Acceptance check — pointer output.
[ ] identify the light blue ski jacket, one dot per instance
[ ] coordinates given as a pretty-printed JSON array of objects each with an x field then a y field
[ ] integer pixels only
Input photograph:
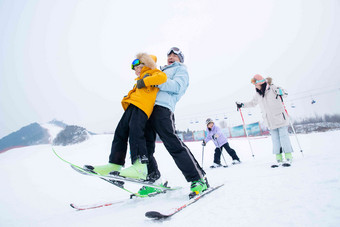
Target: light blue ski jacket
[{"x": 172, "y": 90}]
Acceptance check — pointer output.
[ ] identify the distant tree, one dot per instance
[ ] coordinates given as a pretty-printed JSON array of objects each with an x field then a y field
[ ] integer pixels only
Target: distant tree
[{"x": 332, "y": 118}]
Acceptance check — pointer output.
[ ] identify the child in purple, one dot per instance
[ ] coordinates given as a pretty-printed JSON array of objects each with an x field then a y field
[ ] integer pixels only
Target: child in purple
[{"x": 220, "y": 141}]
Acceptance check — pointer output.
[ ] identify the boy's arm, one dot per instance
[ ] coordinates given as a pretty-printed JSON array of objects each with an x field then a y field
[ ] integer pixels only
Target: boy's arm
[{"x": 156, "y": 78}]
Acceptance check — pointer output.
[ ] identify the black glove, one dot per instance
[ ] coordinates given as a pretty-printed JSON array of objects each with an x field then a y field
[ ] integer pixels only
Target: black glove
[
  {"x": 239, "y": 105},
  {"x": 213, "y": 136},
  {"x": 204, "y": 143},
  {"x": 140, "y": 84}
]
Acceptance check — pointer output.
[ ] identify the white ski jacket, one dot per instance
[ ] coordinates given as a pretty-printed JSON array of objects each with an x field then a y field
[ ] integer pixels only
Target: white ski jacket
[{"x": 273, "y": 111}]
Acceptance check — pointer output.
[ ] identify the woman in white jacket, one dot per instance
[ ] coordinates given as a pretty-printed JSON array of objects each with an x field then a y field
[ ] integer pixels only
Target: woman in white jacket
[{"x": 268, "y": 97}]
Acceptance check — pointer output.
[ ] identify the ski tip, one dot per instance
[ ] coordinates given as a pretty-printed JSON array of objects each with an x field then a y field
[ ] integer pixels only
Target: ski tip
[
  {"x": 75, "y": 207},
  {"x": 155, "y": 215}
]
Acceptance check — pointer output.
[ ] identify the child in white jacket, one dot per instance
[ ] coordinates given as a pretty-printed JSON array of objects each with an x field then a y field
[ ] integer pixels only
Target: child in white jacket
[{"x": 269, "y": 98}]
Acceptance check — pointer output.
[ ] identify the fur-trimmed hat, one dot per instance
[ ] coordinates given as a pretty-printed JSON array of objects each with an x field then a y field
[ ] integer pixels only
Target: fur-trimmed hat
[
  {"x": 258, "y": 80},
  {"x": 147, "y": 60}
]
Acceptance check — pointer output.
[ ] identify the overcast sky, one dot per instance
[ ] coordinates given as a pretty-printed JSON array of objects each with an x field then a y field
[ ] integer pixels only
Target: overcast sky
[{"x": 70, "y": 59}]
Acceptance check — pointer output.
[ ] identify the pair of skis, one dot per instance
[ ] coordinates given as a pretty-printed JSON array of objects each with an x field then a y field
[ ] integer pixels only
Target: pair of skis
[
  {"x": 285, "y": 164},
  {"x": 119, "y": 182},
  {"x": 155, "y": 215}
]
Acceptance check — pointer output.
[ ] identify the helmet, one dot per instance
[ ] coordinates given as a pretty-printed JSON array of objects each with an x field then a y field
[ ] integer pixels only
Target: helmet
[{"x": 209, "y": 120}]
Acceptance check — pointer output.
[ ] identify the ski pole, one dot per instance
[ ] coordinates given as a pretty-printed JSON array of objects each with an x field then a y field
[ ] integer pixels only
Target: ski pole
[
  {"x": 245, "y": 130},
  {"x": 226, "y": 165},
  {"x": 223, "y": 158},
  {"x": 202, "y": 155},
  {"x": 291, "y": 125}
]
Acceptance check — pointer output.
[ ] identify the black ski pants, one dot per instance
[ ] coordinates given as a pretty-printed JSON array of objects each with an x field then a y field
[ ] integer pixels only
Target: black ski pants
[
  {"x": 162, "y": 122},
  {"x": 131, "y": 127},
  {"x": 218, "y": 151}
]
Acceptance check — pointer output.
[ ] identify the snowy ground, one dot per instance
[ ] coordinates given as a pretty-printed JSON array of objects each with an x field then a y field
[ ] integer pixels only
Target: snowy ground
[{"x": 37, "y": 188}]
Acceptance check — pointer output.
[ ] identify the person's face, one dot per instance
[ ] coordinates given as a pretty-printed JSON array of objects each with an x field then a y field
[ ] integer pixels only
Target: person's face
[
  {"x": 210, "y": 125},
  {"x": 258, "y": 86},
  {"x": 172, "y": 58},
  {"x": 138, "y": 69}
]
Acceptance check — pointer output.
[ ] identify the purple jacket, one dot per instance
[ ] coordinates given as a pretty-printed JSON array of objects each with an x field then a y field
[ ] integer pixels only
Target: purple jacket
[{"x": 219, "y": 140}]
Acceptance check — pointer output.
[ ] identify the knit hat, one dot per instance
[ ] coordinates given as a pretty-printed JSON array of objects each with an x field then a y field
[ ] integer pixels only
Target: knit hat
[
  {"x": 258, "y": 80},
  {"x": 154, "y": 58},
  {"x": 208, "y": 121},
  {"x": 178, "y": 52}
]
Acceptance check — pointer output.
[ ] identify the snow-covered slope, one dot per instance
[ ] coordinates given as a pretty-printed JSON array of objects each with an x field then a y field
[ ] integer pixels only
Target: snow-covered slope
[
  {"x": 37, "y": 188},
  {"x": 52, "y": 129}
]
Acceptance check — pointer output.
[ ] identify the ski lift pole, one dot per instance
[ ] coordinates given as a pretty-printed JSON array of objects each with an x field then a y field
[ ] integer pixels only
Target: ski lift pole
[
  {"x": 291, "y": 125},
  {"x": 245, "y": 130}
]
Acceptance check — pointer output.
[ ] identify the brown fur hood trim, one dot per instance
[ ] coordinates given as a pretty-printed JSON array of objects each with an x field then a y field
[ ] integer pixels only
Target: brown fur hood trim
[
  {"x": 269, "y": 80},
  {"x": 147, "y": 60}
]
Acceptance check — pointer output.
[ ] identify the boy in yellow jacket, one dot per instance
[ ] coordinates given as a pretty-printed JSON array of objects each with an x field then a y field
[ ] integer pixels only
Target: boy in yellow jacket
[{"x": 138, "y": 105}]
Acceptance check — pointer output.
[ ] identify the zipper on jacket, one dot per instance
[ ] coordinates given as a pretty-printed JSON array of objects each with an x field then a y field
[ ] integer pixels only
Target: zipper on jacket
[{"x": 283, "y": 116}]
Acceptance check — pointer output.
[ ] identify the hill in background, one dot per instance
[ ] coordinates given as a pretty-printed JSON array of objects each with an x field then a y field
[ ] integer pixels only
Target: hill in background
[{"x": 55, "y": 132}]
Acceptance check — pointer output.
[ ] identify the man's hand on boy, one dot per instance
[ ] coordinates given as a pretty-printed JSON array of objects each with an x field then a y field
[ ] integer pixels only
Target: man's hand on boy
[{"x": 140, "y": 84}]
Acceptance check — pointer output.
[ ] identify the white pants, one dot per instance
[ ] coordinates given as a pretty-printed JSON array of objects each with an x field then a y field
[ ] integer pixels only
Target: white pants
[{"x": 280, "y": 138}]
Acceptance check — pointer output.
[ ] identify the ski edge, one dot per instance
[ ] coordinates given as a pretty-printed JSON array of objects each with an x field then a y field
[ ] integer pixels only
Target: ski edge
[
  {"x": 94, "y": 206},
  {"x": 155, "y": 215}
]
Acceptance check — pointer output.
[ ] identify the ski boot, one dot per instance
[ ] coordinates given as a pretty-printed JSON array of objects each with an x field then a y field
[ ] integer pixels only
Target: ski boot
[
  {"x": 236, "y": 161},
  {"x": 215, "y": 165},
  {"x": 137, "y": 171},
  {"x": 197, "y": 187},
  {"x": 279, "y": 161},
  {"x": 289, "y": 159},
  {"x": 154, "y": 176},
  {"x": 103, "y": 169}
]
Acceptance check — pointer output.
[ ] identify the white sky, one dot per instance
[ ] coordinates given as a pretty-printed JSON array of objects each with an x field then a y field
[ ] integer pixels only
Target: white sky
[{"x": 70, "y": 59}]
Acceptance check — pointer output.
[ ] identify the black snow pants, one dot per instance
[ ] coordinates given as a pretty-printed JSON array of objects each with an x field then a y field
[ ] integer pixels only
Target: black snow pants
[
  {"x": 218, "y": 151},
  {"x": 130, "y": 128},
  {"x": 162, "y": 122}
]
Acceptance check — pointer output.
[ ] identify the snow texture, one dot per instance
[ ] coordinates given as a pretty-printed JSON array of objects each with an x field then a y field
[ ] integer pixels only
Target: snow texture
[
  {"x": 37, "y": 188},
  {"x": 52, "y": 129}
]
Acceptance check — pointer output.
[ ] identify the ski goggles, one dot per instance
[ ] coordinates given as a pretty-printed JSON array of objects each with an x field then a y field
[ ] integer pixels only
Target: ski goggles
[
  {"x": 135, "y": 63},
  {"x": 254, "y": 81},
  {"x": 175, "y": 50}
]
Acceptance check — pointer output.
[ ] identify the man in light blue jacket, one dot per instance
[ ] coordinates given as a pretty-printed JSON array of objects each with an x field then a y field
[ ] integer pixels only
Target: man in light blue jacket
[{"x": 162, "y": 122}]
